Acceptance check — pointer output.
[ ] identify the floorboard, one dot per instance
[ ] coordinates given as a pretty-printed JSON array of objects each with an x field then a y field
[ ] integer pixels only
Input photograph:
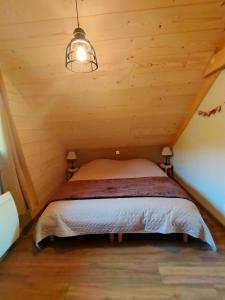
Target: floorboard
[{"x": 144, "y": 266}]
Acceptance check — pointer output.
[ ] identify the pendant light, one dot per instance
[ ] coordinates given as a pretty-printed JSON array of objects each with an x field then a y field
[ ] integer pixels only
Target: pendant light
[{"x": 80, "y": 54}]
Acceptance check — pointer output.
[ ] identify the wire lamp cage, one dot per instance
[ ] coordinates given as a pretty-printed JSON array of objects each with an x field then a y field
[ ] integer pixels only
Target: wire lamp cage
[{"x": 80, "y": 54}]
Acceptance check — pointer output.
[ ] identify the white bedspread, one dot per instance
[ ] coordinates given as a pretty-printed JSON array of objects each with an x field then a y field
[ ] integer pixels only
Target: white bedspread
[
  {"x": 156, "y": 215},
  {"x": 98, "y": 216}
]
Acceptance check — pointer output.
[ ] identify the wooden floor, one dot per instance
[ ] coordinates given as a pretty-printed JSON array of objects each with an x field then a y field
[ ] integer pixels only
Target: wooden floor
[{"x": 142, "y": 267}]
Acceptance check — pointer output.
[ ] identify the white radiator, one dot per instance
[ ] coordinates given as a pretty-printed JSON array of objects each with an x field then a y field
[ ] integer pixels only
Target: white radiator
[{"x": 9, "y": 222}]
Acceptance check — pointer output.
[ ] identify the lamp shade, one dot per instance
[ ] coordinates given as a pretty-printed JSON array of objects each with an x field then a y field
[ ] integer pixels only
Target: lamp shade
[
  {"x": 80, "y": 54},
  {"x": 71, "y": 155},
  {"x": 166, "y": 151}
]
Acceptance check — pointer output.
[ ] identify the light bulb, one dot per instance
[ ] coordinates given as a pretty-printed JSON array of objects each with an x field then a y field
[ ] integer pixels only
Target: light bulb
[{"x": 81, "y": 54}]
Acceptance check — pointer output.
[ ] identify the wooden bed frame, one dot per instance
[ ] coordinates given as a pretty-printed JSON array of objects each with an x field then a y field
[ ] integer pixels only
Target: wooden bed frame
[{"x": 120, "y": 237}]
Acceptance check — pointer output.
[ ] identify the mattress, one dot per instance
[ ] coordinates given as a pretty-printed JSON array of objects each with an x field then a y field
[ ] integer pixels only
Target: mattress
[{"x": 125, "y": 215}]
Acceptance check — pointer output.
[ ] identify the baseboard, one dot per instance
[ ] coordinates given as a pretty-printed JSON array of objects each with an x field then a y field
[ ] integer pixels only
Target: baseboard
[{"x": 203, "y": 201}]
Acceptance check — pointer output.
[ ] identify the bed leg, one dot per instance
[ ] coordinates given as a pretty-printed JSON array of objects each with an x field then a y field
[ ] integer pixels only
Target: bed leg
[
  {"x": 120, "y": 237},
  {"x": 111, "y": 237},
  {"x": 185, "y": 237},
  {"x": 51, "y": 238}
]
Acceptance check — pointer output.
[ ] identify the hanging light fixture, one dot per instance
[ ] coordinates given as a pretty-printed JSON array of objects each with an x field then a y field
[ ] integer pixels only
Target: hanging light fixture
[{"x": 80, "y": 54}]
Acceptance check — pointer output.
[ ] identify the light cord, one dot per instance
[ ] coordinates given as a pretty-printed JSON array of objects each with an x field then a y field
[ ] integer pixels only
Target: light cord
[{"x": 78, "y": 23}]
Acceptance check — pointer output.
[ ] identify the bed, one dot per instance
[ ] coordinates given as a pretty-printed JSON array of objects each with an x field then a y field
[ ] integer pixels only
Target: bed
[{"x": 113, "y": 208}]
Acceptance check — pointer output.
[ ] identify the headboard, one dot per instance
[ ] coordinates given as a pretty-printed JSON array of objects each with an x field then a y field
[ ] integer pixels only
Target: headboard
[{"x": 150, "y": 152}]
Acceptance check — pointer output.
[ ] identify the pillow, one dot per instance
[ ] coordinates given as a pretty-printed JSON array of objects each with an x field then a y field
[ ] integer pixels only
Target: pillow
[{"x": 109, "y": 168}]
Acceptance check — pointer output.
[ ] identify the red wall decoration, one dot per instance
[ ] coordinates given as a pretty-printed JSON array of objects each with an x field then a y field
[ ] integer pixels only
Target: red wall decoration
[{"x": 210, "y": 112}]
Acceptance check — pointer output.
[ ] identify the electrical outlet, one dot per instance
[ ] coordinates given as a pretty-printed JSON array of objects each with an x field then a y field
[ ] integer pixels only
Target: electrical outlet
[{"x": 117, "y": 152}]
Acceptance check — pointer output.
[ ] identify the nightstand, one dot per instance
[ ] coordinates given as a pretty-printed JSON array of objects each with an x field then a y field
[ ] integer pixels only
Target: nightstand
[
  {"x": 70, "y": 172},
  {"x": 168, "y": 169}
]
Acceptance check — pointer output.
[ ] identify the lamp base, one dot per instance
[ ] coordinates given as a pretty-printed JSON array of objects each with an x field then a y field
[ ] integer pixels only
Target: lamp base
[{"x": 167, "y": 160}]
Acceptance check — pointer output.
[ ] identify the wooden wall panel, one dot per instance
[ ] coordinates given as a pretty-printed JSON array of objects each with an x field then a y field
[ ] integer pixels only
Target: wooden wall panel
[
  {"x": 44, "y": 155},
  {"x": 152, "y": 56},
  {"x": 17, "y": 12}
]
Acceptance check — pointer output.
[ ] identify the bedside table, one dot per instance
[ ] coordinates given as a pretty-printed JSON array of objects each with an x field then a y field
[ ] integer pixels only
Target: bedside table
[
  {"x": 70, "y": 172},
  {"x": 168, "y": 169}
]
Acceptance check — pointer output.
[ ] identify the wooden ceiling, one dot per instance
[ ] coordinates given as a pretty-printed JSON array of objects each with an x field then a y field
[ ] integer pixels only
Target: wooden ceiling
[{"x": 152, "y": 55}]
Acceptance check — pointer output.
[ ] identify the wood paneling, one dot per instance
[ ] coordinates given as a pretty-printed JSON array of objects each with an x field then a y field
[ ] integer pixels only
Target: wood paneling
[
  {"x": 152, "y": 56},
  {"x": 143, "y": 267},
  {"x": 14, "y": 12},
  {"x": 44, "y": 156},
  {"x": 217, "y": 62}
]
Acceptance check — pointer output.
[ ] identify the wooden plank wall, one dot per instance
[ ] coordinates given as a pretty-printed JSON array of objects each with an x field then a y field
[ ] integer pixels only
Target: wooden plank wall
[
  {"x": 44, "y": 156},
  {"x": 152, "y": 56}
]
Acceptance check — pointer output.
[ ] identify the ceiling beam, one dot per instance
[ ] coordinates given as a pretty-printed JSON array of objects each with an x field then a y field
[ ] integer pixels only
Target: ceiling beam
[
  {"x": 216, "y": 63},
  {"x": 202, "y": 92}
]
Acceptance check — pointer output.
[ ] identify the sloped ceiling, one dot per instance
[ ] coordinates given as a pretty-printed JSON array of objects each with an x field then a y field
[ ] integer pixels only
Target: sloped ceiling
[{"x": 151, "y": 54}]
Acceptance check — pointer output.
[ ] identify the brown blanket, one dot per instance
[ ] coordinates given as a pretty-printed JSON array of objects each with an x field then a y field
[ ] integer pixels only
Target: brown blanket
[{"x": 121, "y": 188}]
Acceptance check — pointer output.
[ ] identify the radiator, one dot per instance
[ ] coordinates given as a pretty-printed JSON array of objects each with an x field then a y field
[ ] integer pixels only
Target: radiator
[{"x": 9, "y": 223}]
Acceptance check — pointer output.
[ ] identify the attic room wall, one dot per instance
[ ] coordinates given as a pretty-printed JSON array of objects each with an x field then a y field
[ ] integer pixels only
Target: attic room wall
[
  {"x": 45, "y": 157},
  {"x": 151, "y": 56},
  {"x": 199, "y": 154}
]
